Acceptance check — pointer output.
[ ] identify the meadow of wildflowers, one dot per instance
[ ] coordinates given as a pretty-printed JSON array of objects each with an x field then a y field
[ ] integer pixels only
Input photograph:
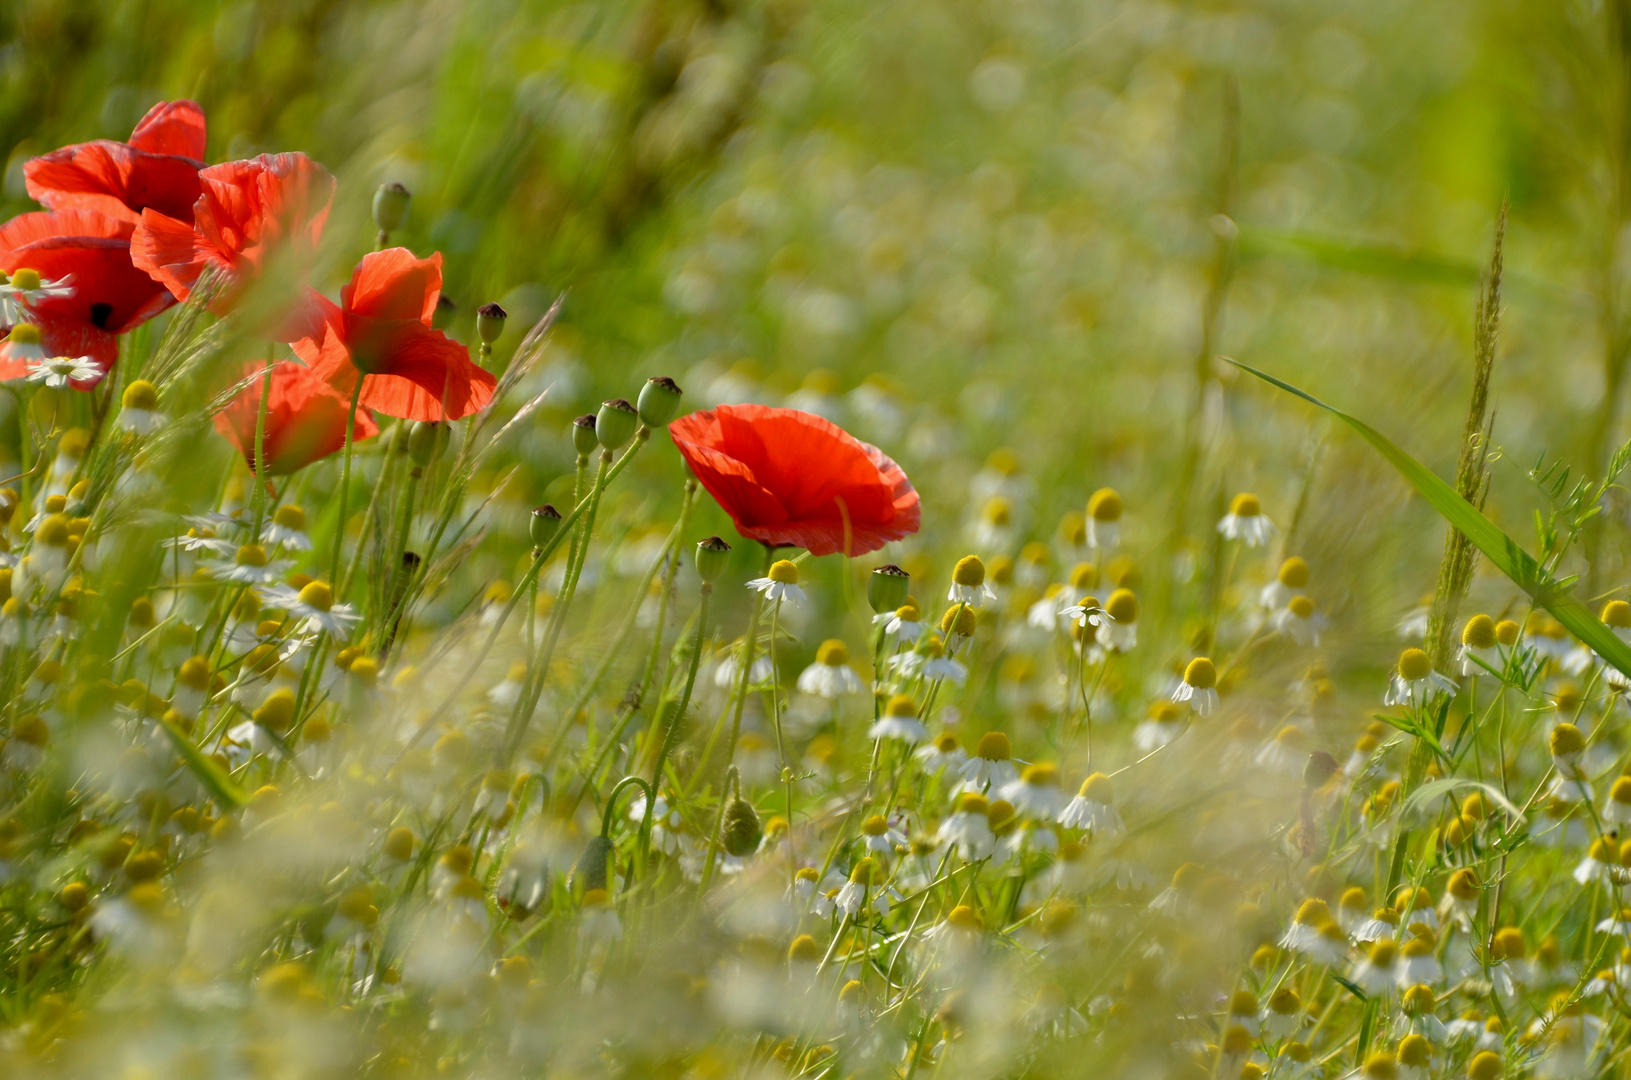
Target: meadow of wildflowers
[{"x": 744, "y": 540}]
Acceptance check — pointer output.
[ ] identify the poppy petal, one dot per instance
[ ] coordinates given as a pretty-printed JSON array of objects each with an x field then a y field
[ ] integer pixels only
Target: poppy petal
[
  {"x": 305, "y": 419},
  {"x": 395, "y": 284},
  {"x": 172, "y": 127}
]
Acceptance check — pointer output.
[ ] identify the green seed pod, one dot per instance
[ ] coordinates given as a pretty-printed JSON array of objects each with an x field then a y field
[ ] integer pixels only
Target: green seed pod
[
  {"x": 713, "y": 556},
  {"x": 391, "y": 207},
  {"x": 583, "y": 435},
  {"x": 886, "y": 588},
  {"x": 615, "y": 423},
  {"x": 490, "y": 322},
  {"x": 741, "y": 828},
  {"x": 659, "y": 401},
  {"x": 427, "y": 441},
  {"x": 545, "y": 523},
  {"x": 589, "y": 872}
]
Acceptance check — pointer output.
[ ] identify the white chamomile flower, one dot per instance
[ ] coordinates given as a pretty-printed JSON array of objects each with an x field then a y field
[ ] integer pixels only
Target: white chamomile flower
[
  {"x": 314, "y": 603},
  {"x": 968, "y": 585},
  {"x": 729, "y": 670},
  {"x": 1416, "y": 683},
  {"x": 287, "y": 528},
  {"x": 1290, "y": 581},
  {"x": 250, "y": 566},
  {"x": 1085, "y": 612},
  {"x": 57, "y": 372},
  {"x": 863, "y": 889},
  {"x": 830, "y": 676},
  {"x": 1199, "y": 686},
  {"x": 1299, "y": 621},
  {"x": 969, "y": 829},
  {"x": 1104, "y": 510},
  {"x": 992, "y": 764},
  {"x": 945, "y": 752},
  {"x": 905, "y": 622},
  {"x": 1036, "y": 794},
  {"x": 882, "y": 838},
  {"x": 782, "y": 583},
  {"x": 1480, "y": 650},
  {"x": 1246, "y": 522},
  {"x": 1093, "y": 809},
  {"x": 25, "y": 289},
  {"x": 139, "y": 408},
  {"x": 1120, "y": 632},
  {"x": 900, "y": 721},
  {"x": 23, "y": 347}
]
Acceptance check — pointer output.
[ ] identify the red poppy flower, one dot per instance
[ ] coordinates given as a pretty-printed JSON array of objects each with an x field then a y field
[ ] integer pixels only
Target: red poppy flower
[
  {"x": 248, "y": 214},
  {"x": 381, "y": 332},
  {"x": 157, "y": 168},
  {"x": 305, "y": 419},
  {"x": 110, "y": 295},
  {"x": 789, "y": 478}
]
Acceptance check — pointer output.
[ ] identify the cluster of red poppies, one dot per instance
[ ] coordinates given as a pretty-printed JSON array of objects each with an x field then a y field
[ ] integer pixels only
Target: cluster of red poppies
[{"x": 133, "y": 227}]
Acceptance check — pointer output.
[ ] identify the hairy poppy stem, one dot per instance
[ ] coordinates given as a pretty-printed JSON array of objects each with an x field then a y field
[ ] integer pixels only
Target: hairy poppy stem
[
  {"x": 260, "y": 449},
  {"x": 345, "y": 478}
]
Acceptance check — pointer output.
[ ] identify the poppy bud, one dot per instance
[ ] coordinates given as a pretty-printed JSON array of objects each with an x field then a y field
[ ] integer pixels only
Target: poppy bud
[
  {"x": 615, "y": 423},
  {"x": 583, "y": 435},
  {"x": 659, "y": 401},
  {"x": 713, "y": 555},
  {"x": 589, "y": 872},
  {"x": 490, "y": 322},
  {"x": 391, "y": 207},
  {"x": 546, "y": 521},
  {"x": 445, "y": 309},
  {"x": 742, "y": 830},
  {"x": 426, "y": 441},
  {"x": 886, "y": 588}
]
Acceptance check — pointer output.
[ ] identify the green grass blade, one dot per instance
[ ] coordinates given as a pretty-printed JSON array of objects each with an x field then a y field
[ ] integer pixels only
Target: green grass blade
[
  {"x": 207, "y": 771},
  {"x": 1499, "y": 548}
]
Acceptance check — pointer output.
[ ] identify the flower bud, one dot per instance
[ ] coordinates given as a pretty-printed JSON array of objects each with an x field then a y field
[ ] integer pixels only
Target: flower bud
[
  {"x": 426, "y": 441},
  {"x": 713, "y": 555},
  {"x": 615, "y": 423},
  {"x": 545, "y": 522},
  {"x": 741, "y": 829},
  {"x": 490, "y": 322},
  {"x": 583, "y": 435},
  {"x": 659, "y": 401},
  {"x": 391, "y": 207},
  {"x": 886, "y": 588},
  {"x": 589, "y": 872}
]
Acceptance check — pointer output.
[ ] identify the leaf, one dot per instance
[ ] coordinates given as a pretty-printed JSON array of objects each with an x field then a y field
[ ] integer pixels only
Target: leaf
[
  {"x": 1436, "y": 788},
  {"x": 1499, "y": 548},
  {"x": 1417, "y": 730},
  {"x": 207, "y": 771},
  {"x": 1351, "y": 987}
]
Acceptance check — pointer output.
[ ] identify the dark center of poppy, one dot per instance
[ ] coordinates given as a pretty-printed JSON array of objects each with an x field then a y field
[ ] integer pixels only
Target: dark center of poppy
[{"x": 99, "y": 315}]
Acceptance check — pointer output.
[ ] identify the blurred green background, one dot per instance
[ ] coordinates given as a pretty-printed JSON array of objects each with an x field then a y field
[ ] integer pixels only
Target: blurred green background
[{"x": 1004, "y": 214}]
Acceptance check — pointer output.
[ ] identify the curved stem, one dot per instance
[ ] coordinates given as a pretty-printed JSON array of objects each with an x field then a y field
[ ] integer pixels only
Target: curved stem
[{"x": 611, "y": 802}]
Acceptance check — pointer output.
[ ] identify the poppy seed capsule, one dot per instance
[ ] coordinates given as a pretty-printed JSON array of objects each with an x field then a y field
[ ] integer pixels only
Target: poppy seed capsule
[
  {"x": 742, "y": 831},
  {"x": 427, "y": 441},
  {"x": 886, "y": 588},
  {"x": 658, "y": 402},
  {"x": 589, "y": 872},
  {"x": 713, "y": 556},
  {"x": 391, "y": 206},
  {"x": 583, "y": 435},
  {"x": 490, "y": 322},
  {"x": 615, "y": 423},
  {"x": 542, "y": 525}
]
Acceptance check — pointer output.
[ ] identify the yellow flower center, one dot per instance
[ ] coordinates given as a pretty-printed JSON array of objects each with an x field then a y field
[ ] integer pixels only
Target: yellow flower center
[
  {"x": 25, "y": 278},
  {"x": 1413, "y": 665},
  {"x": 1105, "y": 505},
  {"x": 970, "y": 571},
  {"x": 784, "y": 572},
  {"x": 1122, "y": 606},
  {"x": 1245, "y": 505},
  {"x": 1042, "y": 774},
  {"x": 994, "y": 746},
  {"x": 318, "y": 594},
  {"x": 832, "y": 653},
  {"x": 901, "y": 705},
  {"x": 875, "y": 825},
  {"x": 290, "y": 516},
  {"x": 1294, "y": 573},
  {"x": 1566, "y": 740},
  {"x": 1098, "y": 788},
  {"x": 251, "y": 555},
  {"x": 1201, "y": 674},
  {"x": 142, "y": 395},
  {"x": 1479, "y": 633},
  {"x": 1302, "y": 607}
]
